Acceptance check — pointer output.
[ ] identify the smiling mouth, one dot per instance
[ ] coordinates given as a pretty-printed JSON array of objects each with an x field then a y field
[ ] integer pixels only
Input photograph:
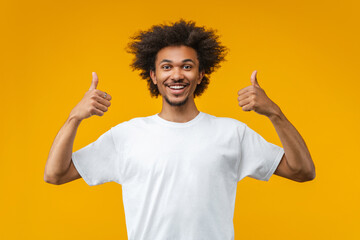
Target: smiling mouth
[
  {"x": 177, "y": 88},
  {"x": 177, "y": 85}
]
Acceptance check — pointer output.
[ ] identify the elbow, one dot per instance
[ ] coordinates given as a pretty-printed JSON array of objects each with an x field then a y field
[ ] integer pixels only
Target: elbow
[
  {"x": 51, "y": 180},
  {"x": 311, "y": 174},
  {"x": 52, "y": 177},
  {"x": 308, "y": 176}
]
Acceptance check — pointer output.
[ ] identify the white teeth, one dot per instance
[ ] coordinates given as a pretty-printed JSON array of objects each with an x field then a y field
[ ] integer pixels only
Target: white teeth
[{"x": 177, "y": 87}]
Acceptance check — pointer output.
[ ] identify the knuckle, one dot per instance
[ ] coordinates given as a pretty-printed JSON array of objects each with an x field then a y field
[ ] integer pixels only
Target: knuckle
[{"x": 93, "y": 92}]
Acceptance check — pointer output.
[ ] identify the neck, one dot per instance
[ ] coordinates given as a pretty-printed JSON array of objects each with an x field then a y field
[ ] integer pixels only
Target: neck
[{"x": 179, "y": 114}]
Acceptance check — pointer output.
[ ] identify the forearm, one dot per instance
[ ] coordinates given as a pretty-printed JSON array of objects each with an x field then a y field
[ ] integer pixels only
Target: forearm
[
  {"x": 297, "y": 154},
  {"x": 60, "y": 153}
]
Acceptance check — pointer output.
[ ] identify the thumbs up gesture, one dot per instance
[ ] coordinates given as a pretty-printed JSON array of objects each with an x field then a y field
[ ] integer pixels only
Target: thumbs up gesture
[
  {"x": 94, "y": 102},
  {"x": 254, "y": 98}
]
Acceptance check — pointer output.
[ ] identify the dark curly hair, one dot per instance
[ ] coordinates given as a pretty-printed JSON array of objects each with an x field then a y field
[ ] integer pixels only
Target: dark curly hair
[{"x": 146, "y": 44}]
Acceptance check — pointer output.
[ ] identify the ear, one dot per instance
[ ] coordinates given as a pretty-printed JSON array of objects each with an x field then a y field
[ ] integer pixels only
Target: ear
[
  {"x": 201, "y": 75},
  {"x": 153, "y": 76}
]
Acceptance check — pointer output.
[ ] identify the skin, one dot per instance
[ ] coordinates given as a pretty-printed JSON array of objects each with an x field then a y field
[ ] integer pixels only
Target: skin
[
  {"x": 170, "y": 67},
  {"x": 296, "y": 163},
  {"x": 59, "y": 168},
  {"x": 177, "y": 64},
  {"x": 180, "y": 64}
]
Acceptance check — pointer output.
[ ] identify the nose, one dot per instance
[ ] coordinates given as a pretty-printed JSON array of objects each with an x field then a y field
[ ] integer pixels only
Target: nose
[{"x": 177, "y": 74}]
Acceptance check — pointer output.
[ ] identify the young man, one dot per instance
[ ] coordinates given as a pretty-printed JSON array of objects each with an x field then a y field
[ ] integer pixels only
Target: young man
[{"x": 179, "y": 168}]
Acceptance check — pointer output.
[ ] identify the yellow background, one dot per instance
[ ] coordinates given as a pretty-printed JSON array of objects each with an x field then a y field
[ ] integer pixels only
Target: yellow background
[{"x": 307, "y": 57}]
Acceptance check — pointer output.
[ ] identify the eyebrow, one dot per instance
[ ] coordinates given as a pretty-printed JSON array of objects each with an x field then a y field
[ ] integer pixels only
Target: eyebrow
[{"x": 185, "y": 60}]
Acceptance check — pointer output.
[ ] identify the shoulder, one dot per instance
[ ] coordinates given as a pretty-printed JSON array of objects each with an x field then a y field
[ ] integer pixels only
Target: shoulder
[
  {"x": 225, "y": 121},
  {"x": 226, "y": 125},
  {"x": 128, "y": 130},
  {"x": 132, "y": 124}
]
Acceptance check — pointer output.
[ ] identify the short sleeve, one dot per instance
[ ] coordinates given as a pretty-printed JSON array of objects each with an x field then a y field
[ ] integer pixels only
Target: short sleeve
[
  {"x": 98, "y": 162},
  {"x": 259, "y": 158}
]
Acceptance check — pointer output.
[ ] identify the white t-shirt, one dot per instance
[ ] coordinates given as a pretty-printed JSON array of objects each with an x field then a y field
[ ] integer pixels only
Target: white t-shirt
[{"x": 179, "y": 180}]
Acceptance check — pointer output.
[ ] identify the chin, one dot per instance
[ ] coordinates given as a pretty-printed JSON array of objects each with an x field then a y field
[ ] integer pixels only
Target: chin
[{"x": 176, "y": 103}]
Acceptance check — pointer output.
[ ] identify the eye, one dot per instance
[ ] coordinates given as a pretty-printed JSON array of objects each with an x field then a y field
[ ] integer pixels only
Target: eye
[
  {"x": 166, "y": 67},
  {"x": 188, "y": 67}
]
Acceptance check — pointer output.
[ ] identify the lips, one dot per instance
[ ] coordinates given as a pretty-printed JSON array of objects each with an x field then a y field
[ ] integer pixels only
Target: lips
[
  {"x": 177, "y": 84},
  {"x": 177, "y": 91}
]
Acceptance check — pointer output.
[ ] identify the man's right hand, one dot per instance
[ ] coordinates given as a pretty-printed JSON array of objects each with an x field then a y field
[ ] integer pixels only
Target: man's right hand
[{"x": 93, "y": 102}]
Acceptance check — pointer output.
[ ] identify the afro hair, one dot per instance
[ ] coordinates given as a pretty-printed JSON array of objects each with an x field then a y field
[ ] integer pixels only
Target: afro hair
[{"x": 146, "y": 44}]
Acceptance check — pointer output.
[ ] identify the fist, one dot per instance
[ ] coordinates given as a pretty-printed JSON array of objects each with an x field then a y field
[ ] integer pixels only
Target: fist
[
  {"x": 254, "y": 98},
  {"x": 94, "y": 102}
]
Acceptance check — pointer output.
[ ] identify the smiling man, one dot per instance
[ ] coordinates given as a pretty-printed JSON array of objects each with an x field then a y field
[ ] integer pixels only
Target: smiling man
[
  {"x": 176, "y": 77},
  {"x": 179, "y": 168}
]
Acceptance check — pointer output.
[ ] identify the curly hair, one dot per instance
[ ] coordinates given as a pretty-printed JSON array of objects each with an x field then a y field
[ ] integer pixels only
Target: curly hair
[{"x": 146, "y": 44}]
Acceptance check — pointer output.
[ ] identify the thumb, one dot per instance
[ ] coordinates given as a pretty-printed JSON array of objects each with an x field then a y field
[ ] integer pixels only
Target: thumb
[
  {"x": 253, "y": 79},
  {"x": 94, "y": 82}
]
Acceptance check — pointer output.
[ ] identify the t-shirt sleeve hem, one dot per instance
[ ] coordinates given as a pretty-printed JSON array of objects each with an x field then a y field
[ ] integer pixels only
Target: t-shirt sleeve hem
[
  {"x": 80, "y": 170},
  {"x": 275, "y": 164}
]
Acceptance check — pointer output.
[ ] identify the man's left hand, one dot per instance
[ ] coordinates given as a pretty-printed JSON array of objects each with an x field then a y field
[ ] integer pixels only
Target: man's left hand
[{"x": 254, "y": 98}]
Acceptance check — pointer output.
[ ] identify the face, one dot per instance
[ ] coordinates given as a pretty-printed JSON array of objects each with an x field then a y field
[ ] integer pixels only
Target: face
[{"x": 177, "y": 74}]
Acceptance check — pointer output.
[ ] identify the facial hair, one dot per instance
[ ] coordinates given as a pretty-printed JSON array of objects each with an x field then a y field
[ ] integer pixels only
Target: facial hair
[{"x": 176, "y": 104}]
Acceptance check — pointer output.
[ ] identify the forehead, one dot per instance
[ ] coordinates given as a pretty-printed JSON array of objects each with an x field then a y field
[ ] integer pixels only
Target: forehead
[{"x": 176, "y": 54}]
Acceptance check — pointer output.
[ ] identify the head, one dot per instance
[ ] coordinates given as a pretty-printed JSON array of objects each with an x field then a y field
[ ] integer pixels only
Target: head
[
  {"x": 176, "y": 74},
  {"x": 179, "y": 37}
]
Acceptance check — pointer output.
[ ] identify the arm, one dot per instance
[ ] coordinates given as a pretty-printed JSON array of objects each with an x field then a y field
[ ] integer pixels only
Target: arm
[
  {"x": 296, "y": 163},
  {"x": 59, "y": 167},
  {"x": 59, "y": 160}
]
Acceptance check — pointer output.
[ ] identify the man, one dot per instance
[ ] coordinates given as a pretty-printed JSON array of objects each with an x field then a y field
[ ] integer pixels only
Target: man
[{"x": 179, "y": 168}]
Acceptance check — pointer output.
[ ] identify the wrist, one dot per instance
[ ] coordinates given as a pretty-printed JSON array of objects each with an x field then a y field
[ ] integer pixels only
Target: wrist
[
  {"x": 74, "y": 119},
  {"x": 276, "y": 114}
]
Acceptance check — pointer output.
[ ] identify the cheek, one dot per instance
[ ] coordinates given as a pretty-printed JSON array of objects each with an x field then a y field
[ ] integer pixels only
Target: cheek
[
  {"x": 162, "y": 77},
  {"x": 194, "y": 77}
]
